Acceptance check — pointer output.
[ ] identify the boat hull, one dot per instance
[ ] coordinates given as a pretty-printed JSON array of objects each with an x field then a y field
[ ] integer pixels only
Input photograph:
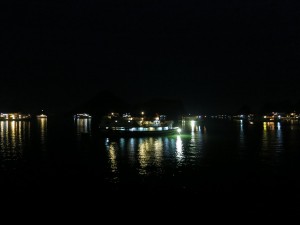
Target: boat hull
[{"x": 128, "y": 133}]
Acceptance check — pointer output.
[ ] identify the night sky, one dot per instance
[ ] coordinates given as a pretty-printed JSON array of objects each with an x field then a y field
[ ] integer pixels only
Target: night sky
[{"x": 214, "y": 55}]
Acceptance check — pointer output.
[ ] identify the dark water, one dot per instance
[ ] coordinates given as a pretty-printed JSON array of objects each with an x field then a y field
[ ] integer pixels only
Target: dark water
[{"x": 214, "y": 166}]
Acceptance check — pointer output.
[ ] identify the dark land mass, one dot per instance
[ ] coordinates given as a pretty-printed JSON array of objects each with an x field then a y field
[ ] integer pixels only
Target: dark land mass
[{"x": 106, "y": 102}]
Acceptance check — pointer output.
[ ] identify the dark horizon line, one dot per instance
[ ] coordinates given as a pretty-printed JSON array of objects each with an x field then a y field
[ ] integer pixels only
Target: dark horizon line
[{"x": 72, "y": 113}]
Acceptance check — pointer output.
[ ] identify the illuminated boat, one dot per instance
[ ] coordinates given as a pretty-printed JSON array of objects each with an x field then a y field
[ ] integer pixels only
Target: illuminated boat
[
  {"x": 115, "y": 125},
  {"x": 14, "y": 116},
  {"x": 82, "y": 116},
  {"x": 41, "y": 116},
  {"x": 139, "y": 131}
]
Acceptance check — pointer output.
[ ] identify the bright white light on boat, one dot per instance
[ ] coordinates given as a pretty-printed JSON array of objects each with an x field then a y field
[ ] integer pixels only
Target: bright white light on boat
[{"x": 179, "y": 130}]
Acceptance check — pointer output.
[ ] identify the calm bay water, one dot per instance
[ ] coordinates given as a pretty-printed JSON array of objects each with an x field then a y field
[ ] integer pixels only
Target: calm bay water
[{"x": 217, "y": 163}]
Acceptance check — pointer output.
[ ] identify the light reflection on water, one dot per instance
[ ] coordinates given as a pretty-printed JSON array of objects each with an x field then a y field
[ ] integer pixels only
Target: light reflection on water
[
  {"x": 151, "y": 155},
  {"x": 242, "y": 134},
  {"x": 83, "y": 125},
  {"x": 42, "y": 128},
  {"x": 179, "y": 149},
  {"x": 272, "y": 142},
  {"x": 200, "y": 146},
  {"x": 13, "y": 135},
  {"x": 193, "y": 142},
  {"x": 145, "y": 154},
  {"x": 18, "y": 138},
  {"x": 113, "y": 153}
]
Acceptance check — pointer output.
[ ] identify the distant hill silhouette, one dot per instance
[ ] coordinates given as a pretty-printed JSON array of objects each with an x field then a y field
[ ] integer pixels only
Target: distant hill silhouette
[
  {"x": 105, "y": 102},
  {"x": 173, "y": 108},
  {"x": 278, "y": 106},
  {"x": 244, "y": 109},
  {"x": 102, "y": 103}
]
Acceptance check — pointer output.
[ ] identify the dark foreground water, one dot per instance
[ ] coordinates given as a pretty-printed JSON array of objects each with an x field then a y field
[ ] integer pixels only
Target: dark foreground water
[{"x": 218, "y": 166}]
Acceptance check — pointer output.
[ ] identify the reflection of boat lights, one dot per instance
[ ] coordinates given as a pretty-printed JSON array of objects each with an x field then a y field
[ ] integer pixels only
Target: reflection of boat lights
[
  {"x": 193, "y": 122},
  {"x": 179, "y": 148}
]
